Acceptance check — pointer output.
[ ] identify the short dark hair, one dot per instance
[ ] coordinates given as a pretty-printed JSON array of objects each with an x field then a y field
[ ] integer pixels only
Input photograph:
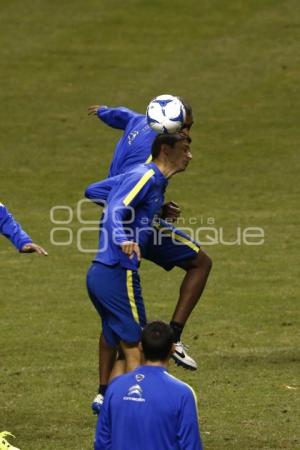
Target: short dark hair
[
  {"x": 167, "y": 139},
  {"x": 157, "y": 341},
  {"x": 187, "y": 107}
]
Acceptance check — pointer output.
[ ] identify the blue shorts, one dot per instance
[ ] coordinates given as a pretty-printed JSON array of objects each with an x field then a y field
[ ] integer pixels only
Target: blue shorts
[
  {"x": 116, "y": 295},
  {"x": 169, "y": 246}
]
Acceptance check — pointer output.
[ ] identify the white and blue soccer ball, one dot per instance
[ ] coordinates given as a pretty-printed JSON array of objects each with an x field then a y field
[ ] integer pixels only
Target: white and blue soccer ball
[{"x": 165, "y": 114}]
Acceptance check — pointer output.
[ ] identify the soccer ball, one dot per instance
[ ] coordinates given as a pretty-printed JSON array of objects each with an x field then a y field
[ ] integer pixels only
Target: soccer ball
[{"x": 165, "y": 114}]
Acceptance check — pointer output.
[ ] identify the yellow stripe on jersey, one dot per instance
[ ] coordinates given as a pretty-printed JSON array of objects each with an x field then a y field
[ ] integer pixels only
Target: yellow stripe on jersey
[
  {"x": 187, "y": 242},
  {"x": 134, "y": 191},
  {"x": 130, "y": 294},
  {"x": 179, "y": 238},
  {"x": 149, "y": 159}
]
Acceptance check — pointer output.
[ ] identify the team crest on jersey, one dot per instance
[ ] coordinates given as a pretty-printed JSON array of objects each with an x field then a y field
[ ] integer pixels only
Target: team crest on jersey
[
  {"x": 135, "y": 394},
  {"x": 139, "y": 377},
  {"x": 132, "y": 136}
]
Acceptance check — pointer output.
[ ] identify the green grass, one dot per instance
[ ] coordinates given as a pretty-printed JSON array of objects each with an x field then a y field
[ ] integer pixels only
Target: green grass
[{"x": 238, "y": 64}]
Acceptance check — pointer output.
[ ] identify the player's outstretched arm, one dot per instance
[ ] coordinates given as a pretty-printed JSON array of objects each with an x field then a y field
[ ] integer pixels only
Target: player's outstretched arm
[
  {"x": 13, "y": 231},
  {"x": 114, "y": 117}
]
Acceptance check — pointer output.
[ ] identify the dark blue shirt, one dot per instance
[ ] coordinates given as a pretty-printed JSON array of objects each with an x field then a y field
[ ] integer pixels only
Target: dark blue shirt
[
  {"x": 148, "y": 409},
  {"x": 134, "y": 147}
]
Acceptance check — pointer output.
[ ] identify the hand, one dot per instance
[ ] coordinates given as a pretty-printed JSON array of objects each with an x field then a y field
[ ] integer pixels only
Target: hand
[
  {"x": 92, "y": 110},
  {"x": 130, "y": 248},
  {"x": 170, "y": 211},
  {"x": 33, "y": 248}
]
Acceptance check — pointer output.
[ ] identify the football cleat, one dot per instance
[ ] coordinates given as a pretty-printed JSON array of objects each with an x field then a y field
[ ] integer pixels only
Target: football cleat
[
  {"x": 4, "y": 445},
  {"x": 97, "y": 404},
  {"x": 181, "y": 357}
]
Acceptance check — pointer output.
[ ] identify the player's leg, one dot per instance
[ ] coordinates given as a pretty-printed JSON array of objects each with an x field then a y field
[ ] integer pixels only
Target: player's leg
[
  {"x": 197, "y": 271},
  {"x": 119, "y": 367},
  {"x": 192, "y": 286},
  {"x": 171, "y": 247},
  {"x": 107, "y": 343},
  {"x": 107, "y": 359},
  {"x": 132, "y": 355},
  {"x": 120, "y": 303},
  {"x": 129, "y": 321},
  {"x": 111, "y": 365}
]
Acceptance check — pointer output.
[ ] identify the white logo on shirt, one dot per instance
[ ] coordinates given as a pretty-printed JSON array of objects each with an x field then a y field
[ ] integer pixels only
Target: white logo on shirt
[
  {"x": 132, "y": 136},
  {"x": 135, "y": 390},
  {"x": 135, "y": 393}
]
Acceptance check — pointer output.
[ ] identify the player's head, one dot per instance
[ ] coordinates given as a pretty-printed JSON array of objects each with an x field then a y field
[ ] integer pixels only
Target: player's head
[
  {"x": 172, "y": 150},
  {"x": 157, "y": 341},
  {"x": 189, "y": 120}
]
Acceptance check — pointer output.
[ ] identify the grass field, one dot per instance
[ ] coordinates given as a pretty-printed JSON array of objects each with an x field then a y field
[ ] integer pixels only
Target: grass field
[{"x": 237, "y": 62}]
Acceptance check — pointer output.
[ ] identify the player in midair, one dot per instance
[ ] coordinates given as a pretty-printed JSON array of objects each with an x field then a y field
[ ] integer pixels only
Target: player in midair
[{"x": 133, "y": 148}]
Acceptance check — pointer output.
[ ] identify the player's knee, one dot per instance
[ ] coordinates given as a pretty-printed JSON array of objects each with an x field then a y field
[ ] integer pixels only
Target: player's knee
[
  {"x": 203, "y": 261},
  {"x": 208, "y": 262}
]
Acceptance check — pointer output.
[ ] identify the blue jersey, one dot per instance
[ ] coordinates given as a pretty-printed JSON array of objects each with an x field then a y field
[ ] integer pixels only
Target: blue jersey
[
  {"x": 133, "y": 199},
  {"x": 11, "y": 229},
  {"x": 148, "y": 409},
  {"x": 134, "y": 147}
]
